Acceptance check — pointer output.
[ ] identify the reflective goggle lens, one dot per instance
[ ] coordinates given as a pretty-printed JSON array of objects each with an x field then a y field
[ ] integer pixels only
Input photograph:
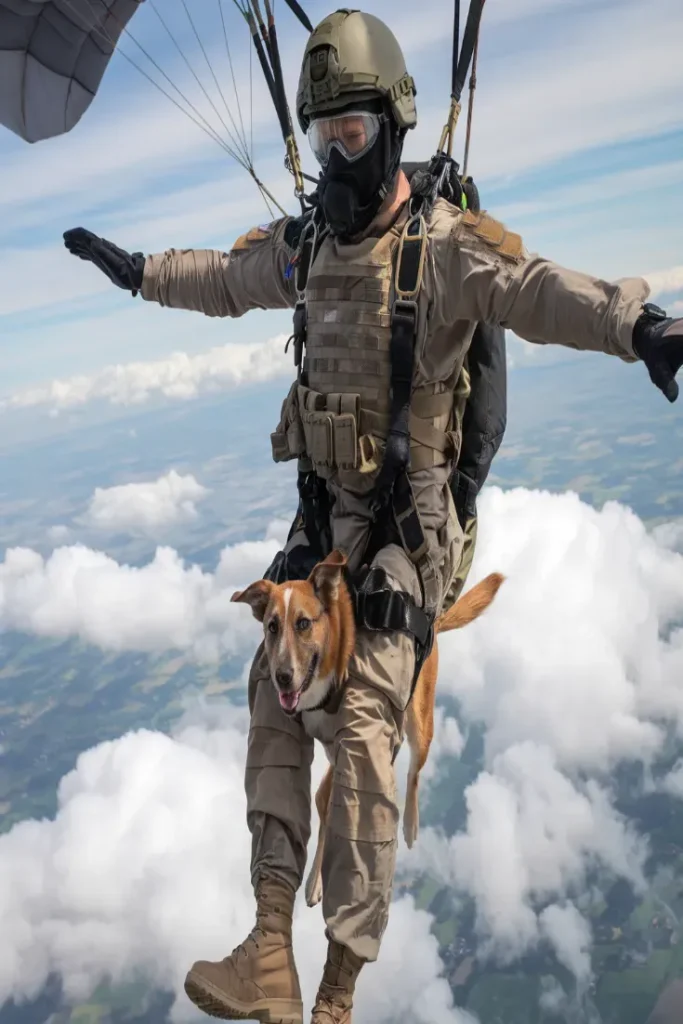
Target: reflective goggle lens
[{"x": 353, "y": 133}]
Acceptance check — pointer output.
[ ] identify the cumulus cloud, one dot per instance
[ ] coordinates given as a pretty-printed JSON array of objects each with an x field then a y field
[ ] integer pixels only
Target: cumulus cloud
[
  {"x": 164, "y": 604},
  {"x": 179, "y": 376},
  {"x": 570, "y": 934},
  {"x": 146, "y": 868},
  {"x": 58, "y": 532},
  {"x": 574, "y": 669},
  {"x": 148, "y": 505},
  {"x": 532, "y": 834},
  {"x": 670, "y": 535},
  {"x": 673, "y": 782}
]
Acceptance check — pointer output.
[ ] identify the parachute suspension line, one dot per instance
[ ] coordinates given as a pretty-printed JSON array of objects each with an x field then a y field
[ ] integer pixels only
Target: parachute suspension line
[
  {"x": 293, "y": 157},
  {"x": 213, "y": 73},
  {"x": 298, "y": 10},
  {"x": 260, "y": 52},
  {"x": 244, "y": 160},
  {"x": 250, "y": 150},
  {"x": 251, "y": 99},
  {"x": 461, "y": 64},
  {"x": 470, "y": 107},
  {"x": 200, "y": 121},
  {"x": 454, "y": 112},
  {"x": 267, "y": 49},
  {"x": 235, "y": 144}
]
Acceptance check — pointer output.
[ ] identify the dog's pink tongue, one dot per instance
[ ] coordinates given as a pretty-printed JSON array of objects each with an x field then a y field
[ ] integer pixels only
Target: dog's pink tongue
[{"x": 289, "y": 701}]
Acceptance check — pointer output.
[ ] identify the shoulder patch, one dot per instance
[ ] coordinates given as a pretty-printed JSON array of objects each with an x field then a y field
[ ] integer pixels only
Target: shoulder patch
[
  {"x": 250, "y": 239},
  {"x": 494, "y": 235}
]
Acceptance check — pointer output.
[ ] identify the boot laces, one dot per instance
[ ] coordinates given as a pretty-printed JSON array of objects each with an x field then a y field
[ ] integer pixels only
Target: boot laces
[
  {"x": 252, "y": 939},
  {"x": 326, "y": 1006},
  {"x": 263, "y": 910}
]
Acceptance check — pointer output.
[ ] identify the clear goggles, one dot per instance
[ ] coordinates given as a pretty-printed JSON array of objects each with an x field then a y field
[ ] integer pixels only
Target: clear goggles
[{"x": 353, "y": 133}]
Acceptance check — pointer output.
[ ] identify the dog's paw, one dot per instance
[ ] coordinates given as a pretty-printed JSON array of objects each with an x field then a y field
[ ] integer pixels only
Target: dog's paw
[{"x": 314, "y": 889}]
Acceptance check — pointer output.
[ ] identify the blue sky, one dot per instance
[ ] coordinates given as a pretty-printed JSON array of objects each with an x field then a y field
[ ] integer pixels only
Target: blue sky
[{"x": 572, "y": 146}]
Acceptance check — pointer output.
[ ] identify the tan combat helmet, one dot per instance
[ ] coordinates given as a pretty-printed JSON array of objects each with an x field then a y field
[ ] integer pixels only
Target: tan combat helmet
[{"x": 354, "y": 56}]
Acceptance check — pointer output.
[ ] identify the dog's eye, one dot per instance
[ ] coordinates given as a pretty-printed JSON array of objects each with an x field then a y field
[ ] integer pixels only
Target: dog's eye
[
  {"x": 272, "y": 626},
  {"x": 303, "y": 624}
]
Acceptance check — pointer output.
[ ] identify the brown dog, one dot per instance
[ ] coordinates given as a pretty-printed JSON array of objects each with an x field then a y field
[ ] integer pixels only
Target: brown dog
[{"x": 310, "y": 635}]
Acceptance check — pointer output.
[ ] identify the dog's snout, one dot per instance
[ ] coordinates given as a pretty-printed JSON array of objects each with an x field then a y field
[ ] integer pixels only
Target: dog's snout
[{"x": 283, "y": 678}]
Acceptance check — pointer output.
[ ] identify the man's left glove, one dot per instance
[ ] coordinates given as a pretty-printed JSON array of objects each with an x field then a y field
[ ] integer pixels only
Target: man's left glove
[
  {"x": 658, "y": 341},
  {"x": 122, "y": 268}
]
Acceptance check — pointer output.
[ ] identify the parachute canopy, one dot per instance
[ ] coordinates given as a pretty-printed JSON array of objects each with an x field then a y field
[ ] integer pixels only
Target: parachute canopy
[{"x": 53, "y": 54}]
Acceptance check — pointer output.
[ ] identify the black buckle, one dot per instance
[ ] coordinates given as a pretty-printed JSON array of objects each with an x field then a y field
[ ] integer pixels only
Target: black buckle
[
  {"x": 654, "y": 311},
  {"x": 405, "y": 309},
  {"x": 380, "y": 610}
]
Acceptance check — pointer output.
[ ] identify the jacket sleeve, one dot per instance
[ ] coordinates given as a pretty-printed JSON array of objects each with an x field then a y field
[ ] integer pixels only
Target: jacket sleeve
[
  {"x": 492, "y": 278},
  {"x": 252, "y": 275}
]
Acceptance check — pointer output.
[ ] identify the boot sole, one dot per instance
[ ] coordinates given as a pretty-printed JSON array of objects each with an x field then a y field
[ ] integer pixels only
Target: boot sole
[{"x": 215, "y": 1003}]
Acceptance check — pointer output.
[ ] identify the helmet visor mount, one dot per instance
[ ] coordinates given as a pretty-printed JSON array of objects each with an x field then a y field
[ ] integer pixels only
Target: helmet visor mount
[{"x": 352, "y": 132}]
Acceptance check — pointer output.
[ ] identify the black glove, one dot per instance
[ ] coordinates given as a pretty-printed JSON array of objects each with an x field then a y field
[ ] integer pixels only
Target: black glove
[
  {"x": 658, "y": 341},
  {"x": 123, "y": 268}
]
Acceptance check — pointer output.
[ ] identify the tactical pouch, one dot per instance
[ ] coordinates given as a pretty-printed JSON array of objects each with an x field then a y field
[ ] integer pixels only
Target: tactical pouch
[
  {"x": 330, "y": 428},
  {"x": 287, "y": 440}
]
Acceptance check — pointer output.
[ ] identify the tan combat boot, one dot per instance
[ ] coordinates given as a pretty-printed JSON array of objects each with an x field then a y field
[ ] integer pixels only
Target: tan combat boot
[
  {"x": 258, "y": 981},
  {"x": 335, "y": 995}
]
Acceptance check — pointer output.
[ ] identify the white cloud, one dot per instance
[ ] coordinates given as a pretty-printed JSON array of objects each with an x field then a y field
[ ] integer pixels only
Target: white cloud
[
  {"x": 574, "y": 669},
  {"x": 673, "y": 782},
  {"x": 163, "y": 604},
  {"x": 180, "y": 376},
  {"x": 570, "y": 934},
  {"x": 670, "y": 535},
  {"x": 663, "y": 282},
  {"x": 552, "y": 830},
  {"x": 58, "y": 532},
  {"x": 147, "y": 505},
  {"x": 146, "y": 868}
]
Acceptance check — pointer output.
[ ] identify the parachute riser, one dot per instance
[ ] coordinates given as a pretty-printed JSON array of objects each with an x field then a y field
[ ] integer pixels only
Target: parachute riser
[
  {"x": 446, "y": 140},
  {"x": 442, "y": 161},
  {"x": 268, "y": 51}
]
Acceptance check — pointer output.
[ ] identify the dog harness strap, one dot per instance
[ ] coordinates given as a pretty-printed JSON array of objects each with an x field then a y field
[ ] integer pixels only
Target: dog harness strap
[{"x": 378, "y": 607}]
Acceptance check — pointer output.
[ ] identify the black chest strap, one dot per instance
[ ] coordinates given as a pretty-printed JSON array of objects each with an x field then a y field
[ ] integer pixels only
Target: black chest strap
[{"x": 394, "y": 507}]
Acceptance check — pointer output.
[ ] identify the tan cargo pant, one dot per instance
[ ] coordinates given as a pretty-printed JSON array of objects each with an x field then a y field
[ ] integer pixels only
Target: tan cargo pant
[{"x": 362, "y": 739}]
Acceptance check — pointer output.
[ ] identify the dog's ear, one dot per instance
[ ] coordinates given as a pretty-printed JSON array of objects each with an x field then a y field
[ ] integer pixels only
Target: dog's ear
[
  {"x": 326, "y": 577},
  {"x": 257, "y": 595}
]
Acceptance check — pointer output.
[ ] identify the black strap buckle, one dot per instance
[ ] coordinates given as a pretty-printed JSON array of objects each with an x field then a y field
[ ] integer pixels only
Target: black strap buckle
[{"x": 380, "y": 608}]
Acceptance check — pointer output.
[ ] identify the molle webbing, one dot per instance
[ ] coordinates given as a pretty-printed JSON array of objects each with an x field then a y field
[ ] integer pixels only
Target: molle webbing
[{"x": 348, "y": 328}]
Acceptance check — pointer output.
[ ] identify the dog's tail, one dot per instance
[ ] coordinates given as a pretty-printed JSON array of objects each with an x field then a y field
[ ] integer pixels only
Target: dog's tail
[{"x": 470, "y": 606}]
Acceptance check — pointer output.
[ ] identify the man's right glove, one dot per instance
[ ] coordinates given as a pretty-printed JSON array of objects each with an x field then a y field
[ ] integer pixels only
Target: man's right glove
[
  {"x": 123, "y": 268},
  {"x": 658, "y": 341}
]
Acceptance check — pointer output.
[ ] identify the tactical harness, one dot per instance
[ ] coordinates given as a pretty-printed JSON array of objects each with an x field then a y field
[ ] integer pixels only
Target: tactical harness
[{"x": 395, "y": 517}]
